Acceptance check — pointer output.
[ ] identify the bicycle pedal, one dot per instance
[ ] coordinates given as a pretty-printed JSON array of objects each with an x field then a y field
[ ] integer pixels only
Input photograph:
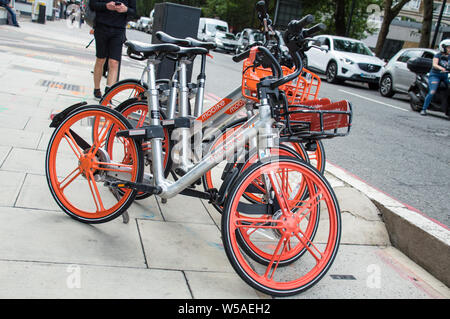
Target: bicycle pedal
[{"x": 140, "y": 187}]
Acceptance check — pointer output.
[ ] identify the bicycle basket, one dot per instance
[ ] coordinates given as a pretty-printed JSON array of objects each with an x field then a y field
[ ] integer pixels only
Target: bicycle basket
[
  {"x": 318, "y": 120},
  {"x": 303, "y": 88}
]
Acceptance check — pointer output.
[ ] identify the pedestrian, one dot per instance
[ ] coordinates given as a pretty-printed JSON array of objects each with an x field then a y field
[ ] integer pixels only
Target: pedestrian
[
  {"x": 109, "y": 32},
  {"x": 7, "y": 5},
  {"x": 439, "y": 72}
]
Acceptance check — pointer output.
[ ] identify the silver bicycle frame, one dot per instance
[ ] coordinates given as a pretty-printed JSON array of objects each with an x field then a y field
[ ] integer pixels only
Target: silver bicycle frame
[{"x": 260, "y": 123}]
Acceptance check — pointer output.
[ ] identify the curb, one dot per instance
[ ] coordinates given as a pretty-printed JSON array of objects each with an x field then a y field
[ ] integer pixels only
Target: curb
[{"x": 425, "y": 241}]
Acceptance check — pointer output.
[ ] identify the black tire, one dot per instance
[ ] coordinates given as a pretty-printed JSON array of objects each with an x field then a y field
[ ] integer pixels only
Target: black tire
[
  {"x": 331, "y": 73},
  {"x": 250, "y": 272},
  {"x": 77, "y": 211},
  {"x": 415, "y": 102},
  {"x": 386, "y": 88}
]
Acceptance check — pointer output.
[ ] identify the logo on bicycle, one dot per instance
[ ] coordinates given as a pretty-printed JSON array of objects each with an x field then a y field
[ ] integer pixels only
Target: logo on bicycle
[{"x": 216, "y": 108}]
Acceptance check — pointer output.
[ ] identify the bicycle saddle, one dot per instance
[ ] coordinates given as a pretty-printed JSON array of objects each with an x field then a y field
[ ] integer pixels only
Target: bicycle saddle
[
  {"x": 207, "y": 45},
  {"x": 165, "y": 38},
  {"x": 147, "y": 50},
  {"x": 191, "y": 51}
]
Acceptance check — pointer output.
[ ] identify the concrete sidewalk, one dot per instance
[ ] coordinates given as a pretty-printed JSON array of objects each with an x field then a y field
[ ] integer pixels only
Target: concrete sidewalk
[{"x": 163, "y": 252}]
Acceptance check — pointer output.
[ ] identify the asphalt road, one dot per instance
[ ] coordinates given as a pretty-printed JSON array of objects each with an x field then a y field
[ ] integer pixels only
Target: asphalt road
[{"x": 390, "y": 147}]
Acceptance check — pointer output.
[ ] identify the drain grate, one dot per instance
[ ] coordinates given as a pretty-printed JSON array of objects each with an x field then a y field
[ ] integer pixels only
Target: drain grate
[{"x": 343, "y": 277}]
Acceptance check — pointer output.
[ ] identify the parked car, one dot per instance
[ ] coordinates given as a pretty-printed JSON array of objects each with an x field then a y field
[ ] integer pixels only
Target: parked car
[
  {"x": 247, "y": 38},
  {"x": 131, "y": 25},
  {"x": 343, "y": 59},
  {"x": 217, "y": 31},
  {"x": 143, "y": 24},
  {"x": 207, "y": 28},
  {"x": 396, "y": 77}
]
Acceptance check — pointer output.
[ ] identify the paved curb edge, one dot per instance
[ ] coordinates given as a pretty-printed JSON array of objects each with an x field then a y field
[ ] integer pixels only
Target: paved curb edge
[{"x": 423, "y": 240}]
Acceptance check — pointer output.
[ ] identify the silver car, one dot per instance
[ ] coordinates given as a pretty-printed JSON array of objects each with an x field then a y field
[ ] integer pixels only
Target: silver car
[{"x": 396, "y": 77}]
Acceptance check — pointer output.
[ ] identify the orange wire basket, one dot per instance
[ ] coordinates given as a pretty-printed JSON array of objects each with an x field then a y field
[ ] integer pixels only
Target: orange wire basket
[{"x": 305, "y": 87}]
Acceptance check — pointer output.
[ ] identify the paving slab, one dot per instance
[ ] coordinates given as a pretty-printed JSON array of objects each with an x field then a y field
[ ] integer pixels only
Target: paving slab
[
  {"x": 27, "y": 280},
  {"x": 4, "y": 151},
  {"x": 11, "y": 183},
  {"x": 361, "y": 219},
  {"x": 214, "y": 285},
  {"x": 183, "y": 246},
  {"x": 19, "y": 138},
  {"x": 370, "y": 272},
  {"x": 45, "y": 236},
  {"x": 185, "y": 209},
  {"x": 25, "y": 160}
]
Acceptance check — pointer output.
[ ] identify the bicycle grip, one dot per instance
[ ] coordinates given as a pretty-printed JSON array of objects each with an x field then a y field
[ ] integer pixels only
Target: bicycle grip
[
  {"x": 298, "y": 25},
  {"x": 241, "y": 56},
  {"x": 313, "y": 30}
]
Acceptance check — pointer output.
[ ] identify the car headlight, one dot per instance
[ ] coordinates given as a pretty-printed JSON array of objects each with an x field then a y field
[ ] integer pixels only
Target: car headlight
[{"x": 347, "y": 61}]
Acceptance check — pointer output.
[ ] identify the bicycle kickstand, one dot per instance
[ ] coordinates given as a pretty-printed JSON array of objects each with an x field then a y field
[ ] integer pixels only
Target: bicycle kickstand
[{"x": 125, "y": 216}]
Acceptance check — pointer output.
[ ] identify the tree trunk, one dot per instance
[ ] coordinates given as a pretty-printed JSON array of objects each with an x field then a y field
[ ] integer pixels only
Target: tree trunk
[
  {"x": 389, "y": 14},
  {"x": 426, "y": 23},
  {"x": 339, "y": 16}
]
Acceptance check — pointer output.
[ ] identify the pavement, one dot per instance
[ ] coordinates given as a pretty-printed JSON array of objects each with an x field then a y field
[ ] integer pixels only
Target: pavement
[{"x": 387, "y": 251}]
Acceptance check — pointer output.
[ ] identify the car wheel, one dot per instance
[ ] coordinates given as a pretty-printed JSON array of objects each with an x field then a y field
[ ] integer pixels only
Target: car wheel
[
  {"x": 331, "y": 73},
  {"x": 386, "y": 88}
]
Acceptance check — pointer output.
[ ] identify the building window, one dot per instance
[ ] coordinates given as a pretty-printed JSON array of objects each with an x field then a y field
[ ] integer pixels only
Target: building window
[{"x": 413, "y": 5}]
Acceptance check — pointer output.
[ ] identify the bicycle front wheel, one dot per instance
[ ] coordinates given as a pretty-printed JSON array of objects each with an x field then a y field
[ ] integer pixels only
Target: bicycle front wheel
[{"x": 282, "y": 229}]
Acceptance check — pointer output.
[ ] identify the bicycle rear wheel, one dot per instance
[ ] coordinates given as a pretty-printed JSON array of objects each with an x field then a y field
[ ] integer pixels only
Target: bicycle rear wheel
[
  {"x": 77, "y": 165},
  {"x": 285, "y": 234}
]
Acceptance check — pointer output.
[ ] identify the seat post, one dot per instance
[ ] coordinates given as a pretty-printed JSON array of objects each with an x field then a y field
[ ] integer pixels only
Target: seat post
[
  {"x": 184, "y": 163},
  {"x": 154, "y": 117},
  {"x": 200, "y": 88}
]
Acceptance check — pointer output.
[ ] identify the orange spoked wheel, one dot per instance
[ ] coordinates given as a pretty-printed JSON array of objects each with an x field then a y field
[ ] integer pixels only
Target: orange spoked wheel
[
  {"x": 282, "y": 229},
  {"x": 137, "y": 114},
  {"x": 122, "y": 91},
  {"x": 78, "y": 164}
]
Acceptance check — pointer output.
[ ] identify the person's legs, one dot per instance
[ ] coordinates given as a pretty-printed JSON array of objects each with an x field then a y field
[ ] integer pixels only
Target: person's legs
[
  {"x": 101, "y": 47},
  {"x": 113, "y": 69},
  {"x": 98, "y": 72},
  {"x": 114, "y": 55},
  {"x": 433, "y": 84},
  {"x": 13, "y": 15}
]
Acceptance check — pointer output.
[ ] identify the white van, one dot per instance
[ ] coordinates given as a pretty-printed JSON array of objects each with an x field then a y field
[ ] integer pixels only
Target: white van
[{"x": 207, "y": 28}]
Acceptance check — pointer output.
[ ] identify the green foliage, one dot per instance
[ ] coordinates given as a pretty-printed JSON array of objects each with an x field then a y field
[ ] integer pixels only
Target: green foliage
[
  {"x": 324, "y": 11},
  {"x": 241, "y": 14}
]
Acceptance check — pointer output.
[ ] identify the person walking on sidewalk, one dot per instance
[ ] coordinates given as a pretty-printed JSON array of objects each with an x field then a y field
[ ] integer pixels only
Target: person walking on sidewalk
[
  {"x": 109, "y": 32},
  {"x": 6, "y": 4}
]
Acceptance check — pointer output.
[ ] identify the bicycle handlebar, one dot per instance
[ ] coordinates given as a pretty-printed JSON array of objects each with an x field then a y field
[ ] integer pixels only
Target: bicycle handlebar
[
  {"x": 296, "y": 26},
  {"x": 313, "y": 30}
]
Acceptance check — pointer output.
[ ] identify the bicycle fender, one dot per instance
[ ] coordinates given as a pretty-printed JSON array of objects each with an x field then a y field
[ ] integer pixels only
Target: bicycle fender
[{"x": 61, "y": 116}]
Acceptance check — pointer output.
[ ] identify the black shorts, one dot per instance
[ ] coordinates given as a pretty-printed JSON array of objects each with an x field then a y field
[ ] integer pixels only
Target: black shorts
[{"x": 109, "y": 42}]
